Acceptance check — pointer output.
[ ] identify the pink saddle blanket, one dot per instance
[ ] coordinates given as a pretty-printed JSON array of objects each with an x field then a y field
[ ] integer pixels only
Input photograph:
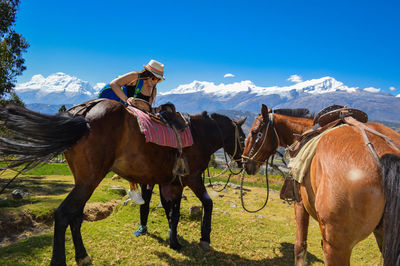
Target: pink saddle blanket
[{"x": 160, "y": 134}]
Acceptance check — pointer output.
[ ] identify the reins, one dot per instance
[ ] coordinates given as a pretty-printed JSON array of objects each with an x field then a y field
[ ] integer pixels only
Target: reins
[
  {"x": 227, "y": 162},
  {"x": 251, "y": 157}
]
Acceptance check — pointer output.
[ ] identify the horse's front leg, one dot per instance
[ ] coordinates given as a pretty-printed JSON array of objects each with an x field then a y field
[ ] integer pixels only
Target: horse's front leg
[
  {"x": 171, "y": 197},
  {"x": 200, "y": 190},
  {"x": 302, "y": 221}
]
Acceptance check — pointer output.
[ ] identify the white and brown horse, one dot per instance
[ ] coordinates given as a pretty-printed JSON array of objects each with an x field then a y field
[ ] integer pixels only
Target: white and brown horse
[{"x": 349, "y": 193}]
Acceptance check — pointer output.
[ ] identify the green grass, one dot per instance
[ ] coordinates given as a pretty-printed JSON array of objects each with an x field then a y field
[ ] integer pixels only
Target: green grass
[{"x": 237, "y": 238}]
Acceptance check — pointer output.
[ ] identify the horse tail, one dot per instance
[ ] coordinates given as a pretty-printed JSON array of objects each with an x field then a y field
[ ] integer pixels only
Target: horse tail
[
  {"x": 28, "y": 138},
  {"x": 391, "y": 217}
]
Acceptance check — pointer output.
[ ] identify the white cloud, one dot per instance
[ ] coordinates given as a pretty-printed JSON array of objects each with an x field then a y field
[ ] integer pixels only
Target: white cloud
[
  {"x": 98, "y": 87},
  {"x": 229, "y": 75},
  {"x": 295, "y": 78},
  {"x": 398, "y": 95},
  {"x": 392, "y": 88},
  {"x": 372, "y": 89}
]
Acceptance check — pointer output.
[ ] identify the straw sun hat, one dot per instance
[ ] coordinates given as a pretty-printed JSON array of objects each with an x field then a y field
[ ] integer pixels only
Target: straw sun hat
[{"x": 156, "y": 68}]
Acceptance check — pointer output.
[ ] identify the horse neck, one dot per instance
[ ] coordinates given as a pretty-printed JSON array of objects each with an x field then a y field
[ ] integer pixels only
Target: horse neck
[
  {"x": 207, "y": 135},
  {"x": 290, "y": 128}
]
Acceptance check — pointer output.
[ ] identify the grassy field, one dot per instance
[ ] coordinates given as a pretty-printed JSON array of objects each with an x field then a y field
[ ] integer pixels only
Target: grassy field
[{"x": 238, "y": 237}]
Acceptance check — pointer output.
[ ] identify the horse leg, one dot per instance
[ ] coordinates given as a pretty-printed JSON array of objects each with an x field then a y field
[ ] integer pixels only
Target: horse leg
[
  {"x": 200, "y": 190},
  {"x": 334, "y": 253},
  {"x": 378, "y": 233},
  {"x": 171, "y": 197},
  {"x": 70, "y": 212},
  {"x": 302, "y": 221}
]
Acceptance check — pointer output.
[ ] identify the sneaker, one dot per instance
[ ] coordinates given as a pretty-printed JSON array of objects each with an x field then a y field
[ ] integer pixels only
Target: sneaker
[
  {"x": 141, "y": 230},
  {"x": 136, "y": 196}
]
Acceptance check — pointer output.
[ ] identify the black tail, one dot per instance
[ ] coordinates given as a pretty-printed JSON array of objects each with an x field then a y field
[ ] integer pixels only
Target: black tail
[
  {"x": 29, "y": 138},
  {"x": 391, "y": 217}
]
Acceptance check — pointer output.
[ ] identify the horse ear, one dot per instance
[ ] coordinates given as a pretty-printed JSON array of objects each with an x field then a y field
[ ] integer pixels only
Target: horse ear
[
  {"x": 264, "y": 112},
  {"x": 240, "y": 122}
]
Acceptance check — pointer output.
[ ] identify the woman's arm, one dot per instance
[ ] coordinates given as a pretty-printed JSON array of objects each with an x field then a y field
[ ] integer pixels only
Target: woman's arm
[
  {"x": 117, "y": 83},
  {"x": 153, "y": 96}
]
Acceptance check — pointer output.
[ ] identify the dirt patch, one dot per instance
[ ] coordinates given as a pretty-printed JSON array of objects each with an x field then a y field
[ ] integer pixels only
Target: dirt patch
[
  {"x": 95, "y": 211},
  {"x": 15, "y": 226}
]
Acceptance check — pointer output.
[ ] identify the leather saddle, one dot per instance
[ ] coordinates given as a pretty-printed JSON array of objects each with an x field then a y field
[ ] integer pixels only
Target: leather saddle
[
  {"x": 327, "y": 118},
  {"x": 166, "y": 114}
]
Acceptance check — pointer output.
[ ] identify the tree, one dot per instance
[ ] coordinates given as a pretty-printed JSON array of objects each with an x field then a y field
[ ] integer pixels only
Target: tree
[
  {"x": 62, "y": 109},
  {"x": 213, "y": 163},
  {"x": 12, "y": 45}
]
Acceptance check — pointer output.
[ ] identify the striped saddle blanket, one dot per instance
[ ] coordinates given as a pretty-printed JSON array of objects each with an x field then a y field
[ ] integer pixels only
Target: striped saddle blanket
[{"x": 160, "y": 134}]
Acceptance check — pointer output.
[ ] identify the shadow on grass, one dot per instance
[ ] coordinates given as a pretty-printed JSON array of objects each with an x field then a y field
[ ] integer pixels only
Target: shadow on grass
[
  {"x": 27, "y": 247},
  {"x": 34, "y": 185},
  {"x": 195, "y": 255}
]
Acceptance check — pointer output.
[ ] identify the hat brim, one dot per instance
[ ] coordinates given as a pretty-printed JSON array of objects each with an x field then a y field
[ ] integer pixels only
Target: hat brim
[{"x": 155, "y": 74}]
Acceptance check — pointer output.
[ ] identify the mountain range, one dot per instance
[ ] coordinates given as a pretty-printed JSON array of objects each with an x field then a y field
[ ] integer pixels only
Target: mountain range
[{"x": 48, "y": 94}]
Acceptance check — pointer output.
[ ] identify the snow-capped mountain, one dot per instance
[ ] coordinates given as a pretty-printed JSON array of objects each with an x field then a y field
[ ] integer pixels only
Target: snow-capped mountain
[
  {"x": 48, "y": 94},
  {"x": 314, "y": 86},
  {"x": 314, "y": 94},
  {"x": 58, "y": 88}
]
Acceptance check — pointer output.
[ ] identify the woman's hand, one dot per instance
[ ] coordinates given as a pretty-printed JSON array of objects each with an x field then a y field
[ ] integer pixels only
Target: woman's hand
[{"x": 130, "y": 101}]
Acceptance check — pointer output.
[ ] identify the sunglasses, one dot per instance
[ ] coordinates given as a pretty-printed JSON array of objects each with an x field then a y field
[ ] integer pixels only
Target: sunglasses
[{"x": 155, "y": 78}]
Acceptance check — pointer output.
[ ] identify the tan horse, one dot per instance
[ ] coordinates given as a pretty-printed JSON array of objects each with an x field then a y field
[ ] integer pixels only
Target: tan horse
[{"x": 349, "y": 193}]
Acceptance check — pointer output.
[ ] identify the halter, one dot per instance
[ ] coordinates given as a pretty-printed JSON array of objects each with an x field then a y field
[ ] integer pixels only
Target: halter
[
  {"x": 237, "y": 143},
  {"x": 270, "y": 124},
  {"x": 260, "y": 135}
]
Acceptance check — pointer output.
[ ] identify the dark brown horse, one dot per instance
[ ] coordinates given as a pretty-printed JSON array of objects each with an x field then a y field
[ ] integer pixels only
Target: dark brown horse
[
  {"x": 349, "y": 193},
  {"x": 107, "y": 138}
]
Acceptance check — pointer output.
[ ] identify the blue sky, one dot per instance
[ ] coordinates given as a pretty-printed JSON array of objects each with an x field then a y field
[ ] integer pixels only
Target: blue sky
[{"x": 356, "y": 42}]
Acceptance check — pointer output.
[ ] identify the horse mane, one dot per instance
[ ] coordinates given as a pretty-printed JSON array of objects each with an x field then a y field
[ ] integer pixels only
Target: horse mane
[
  {"x": 216, "y": 116},
  {"x": 202, "y": 114},
  {"x": 298, "y": 112}
]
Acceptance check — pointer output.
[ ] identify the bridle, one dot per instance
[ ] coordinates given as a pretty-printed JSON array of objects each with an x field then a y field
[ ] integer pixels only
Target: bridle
[
  {"x": 264, "y": 124},
  {"x": 239, "y": 142},
  {"x": 268, "y": 125}
]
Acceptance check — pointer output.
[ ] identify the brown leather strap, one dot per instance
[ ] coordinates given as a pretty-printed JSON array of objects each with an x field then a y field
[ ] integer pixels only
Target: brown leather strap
[
  {"x": 351, "y": 121},
  {"x": 309, "y": 134}
]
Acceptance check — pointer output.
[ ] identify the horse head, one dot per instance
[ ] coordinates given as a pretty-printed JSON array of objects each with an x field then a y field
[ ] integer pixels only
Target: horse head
[
  {"x": 232, "y": 135},
  {"x": 261, "y": 142}
]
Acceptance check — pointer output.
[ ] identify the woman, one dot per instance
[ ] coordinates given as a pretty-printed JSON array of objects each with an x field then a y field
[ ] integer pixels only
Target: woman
[{"x": 139, "y": 90}]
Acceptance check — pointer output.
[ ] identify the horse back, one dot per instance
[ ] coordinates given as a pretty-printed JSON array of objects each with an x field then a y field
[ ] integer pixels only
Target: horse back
[
  {"x": 344, "y": 184},
  {"x": 97, "y": 149}
]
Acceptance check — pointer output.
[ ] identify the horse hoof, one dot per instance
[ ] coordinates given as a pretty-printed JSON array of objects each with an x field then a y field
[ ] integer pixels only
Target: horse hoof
[
  {"x": 205, "y": 246},
  {"x": 85, "y": 261},
  {"x": 176, "y": 246}
]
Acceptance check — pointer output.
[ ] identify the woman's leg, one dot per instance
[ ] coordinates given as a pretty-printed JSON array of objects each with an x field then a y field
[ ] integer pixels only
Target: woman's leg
[{"x": 144, "y": 209}]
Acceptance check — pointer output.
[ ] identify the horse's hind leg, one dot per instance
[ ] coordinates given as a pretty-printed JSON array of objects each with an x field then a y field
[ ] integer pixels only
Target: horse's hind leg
[
  {"x": 200, "y": 190},
  {"x": 302, "y": 221},
  {"x": 70, "y": 212},
  {"x": 171, "y": 197},
  {"x": 378, "y": 233}
]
